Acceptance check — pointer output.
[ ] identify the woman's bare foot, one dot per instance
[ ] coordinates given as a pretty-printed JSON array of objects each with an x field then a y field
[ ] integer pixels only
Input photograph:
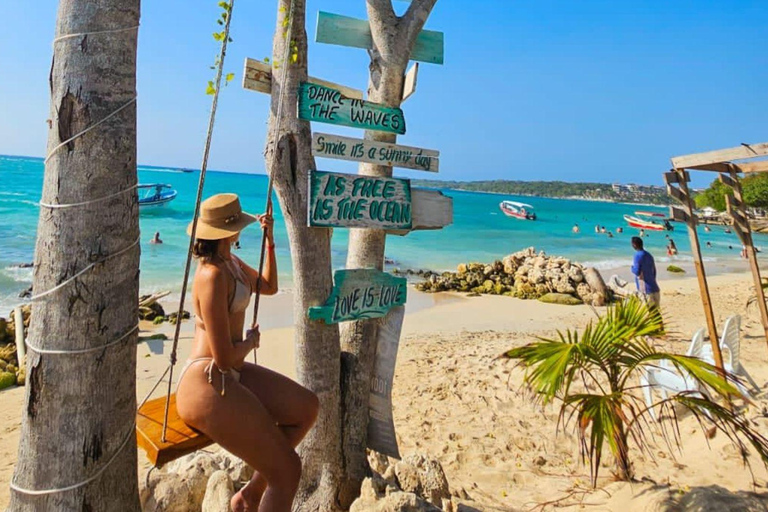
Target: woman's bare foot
[{"x": 247, "y": 499}]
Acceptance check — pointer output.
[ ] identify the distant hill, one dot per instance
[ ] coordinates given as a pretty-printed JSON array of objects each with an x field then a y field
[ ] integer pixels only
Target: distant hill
[{"x": 594, "y": 191}]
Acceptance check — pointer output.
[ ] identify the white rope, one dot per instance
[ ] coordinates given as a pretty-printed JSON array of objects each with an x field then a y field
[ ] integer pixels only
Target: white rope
[
  {"x": 84, "y": 203},
  {"x": 86, "y": 269},
  {"x": 75, "y": 136},
  {"x": 84, "y": 350},
  {"x": 42, "y": 492},
  {"x": 110, "y": 31}
]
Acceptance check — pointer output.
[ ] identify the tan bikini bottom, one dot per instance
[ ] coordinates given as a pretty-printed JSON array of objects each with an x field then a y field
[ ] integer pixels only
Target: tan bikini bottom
[{"x": 209, "y": 371}]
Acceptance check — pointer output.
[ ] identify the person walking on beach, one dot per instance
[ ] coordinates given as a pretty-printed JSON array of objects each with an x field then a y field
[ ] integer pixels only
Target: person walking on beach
[
  {"x": 644, "y": 269},
  {"x": 252, "y": 412}
]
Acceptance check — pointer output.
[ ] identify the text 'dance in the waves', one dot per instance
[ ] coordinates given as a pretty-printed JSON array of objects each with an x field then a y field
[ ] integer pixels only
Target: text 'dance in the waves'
[
  {"x": 381, "y": 153},
  {"x": 354, "y": 201},
  {"x": 326, "y": 105},
  {"x": 359, "y": 294}
]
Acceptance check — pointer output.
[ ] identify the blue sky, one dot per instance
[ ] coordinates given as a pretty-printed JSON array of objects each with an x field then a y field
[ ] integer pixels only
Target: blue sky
[{"x": 555, "y": 90}]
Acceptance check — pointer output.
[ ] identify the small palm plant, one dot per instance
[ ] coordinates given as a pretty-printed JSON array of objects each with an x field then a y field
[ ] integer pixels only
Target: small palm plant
[{"x": 592, "y": 373}]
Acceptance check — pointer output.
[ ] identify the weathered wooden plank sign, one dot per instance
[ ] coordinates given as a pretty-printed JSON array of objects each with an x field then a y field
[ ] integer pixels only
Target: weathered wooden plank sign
[
  {"x": 381, "y": 424},
  {"x": 381, "y": 153},
  {"x": 257, "y": 76},
  {"x": 346, "y": 31},
  {"x": 359, "y": 294},
  {"x": 409, "y": 84},
  {"x": 354, "y": 201},
  {"x": 430, "y": 209},
  {"x": 326, "y": 105}
]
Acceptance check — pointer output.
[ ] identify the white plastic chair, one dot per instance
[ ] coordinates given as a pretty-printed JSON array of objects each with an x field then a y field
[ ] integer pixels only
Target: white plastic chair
[
  {"x": 730, "y": 341},
  {"x": 665, "y": 378}
]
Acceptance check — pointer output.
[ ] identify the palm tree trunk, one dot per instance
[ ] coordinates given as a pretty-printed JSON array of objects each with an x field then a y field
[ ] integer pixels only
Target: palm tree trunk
[
  {"x": 317, "y": 344},
  {"x": 80, "y": 409},
  {"x": 623, "y": 466}
]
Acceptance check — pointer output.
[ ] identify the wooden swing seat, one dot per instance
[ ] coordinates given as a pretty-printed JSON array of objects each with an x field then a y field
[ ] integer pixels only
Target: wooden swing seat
[{"x": 180, "y": 439}]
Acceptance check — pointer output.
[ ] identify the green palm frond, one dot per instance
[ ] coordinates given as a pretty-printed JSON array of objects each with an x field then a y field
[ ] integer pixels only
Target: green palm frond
[{"x": 605, "y": 357}]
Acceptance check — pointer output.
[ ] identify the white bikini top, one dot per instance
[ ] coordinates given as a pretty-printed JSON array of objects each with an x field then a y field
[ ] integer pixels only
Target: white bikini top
[{"x": 242, "y": 297}]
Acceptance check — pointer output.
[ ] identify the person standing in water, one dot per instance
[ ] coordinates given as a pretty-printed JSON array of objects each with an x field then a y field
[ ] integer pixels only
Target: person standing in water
[{"x": 644, "y": 269}]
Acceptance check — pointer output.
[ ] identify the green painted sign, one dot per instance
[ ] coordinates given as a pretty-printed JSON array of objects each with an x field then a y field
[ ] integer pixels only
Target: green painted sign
[
  {"x": 355, "y": 201},
  {"x": 326, "y": 105},
  {"x": 359, "y": 294},
  {"x": 346, "y": 31}
]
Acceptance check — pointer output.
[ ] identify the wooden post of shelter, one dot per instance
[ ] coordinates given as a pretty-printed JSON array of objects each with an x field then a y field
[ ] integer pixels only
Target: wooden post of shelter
[
  {"x": 737, "y": 211},
  {"x": 677, "y": 187}
]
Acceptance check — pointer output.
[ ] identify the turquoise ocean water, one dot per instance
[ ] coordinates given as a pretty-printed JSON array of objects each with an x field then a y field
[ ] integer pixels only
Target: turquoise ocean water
[{"x": 480, "y": 231}]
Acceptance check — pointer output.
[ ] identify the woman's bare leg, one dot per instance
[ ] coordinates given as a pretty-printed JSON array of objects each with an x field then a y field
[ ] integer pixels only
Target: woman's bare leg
[
  {"x": 294, "y": 409},
  {"x": 242, "y": 425}
]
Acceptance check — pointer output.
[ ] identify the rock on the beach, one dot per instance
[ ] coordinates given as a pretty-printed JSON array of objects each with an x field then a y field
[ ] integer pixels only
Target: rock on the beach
[
  {"x": 372, "y": 500},
  {"x": 599, "y": 295},
  {"x": 180, "y": 486},
  {"x": 7, "y": 379},
  {"x": 8, "y": 353},
  {"x": 218, "y": 492},
  {"x": 424, "y": 476},
  {"x": 560, "y": 298}
]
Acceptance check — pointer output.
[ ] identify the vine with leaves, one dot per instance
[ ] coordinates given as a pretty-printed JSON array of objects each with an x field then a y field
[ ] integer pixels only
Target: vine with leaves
[{"x": 226, "y": 11}]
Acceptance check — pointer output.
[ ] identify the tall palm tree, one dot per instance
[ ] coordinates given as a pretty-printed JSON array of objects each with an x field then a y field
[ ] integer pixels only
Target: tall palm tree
[
  {"x": 592, "y": 374},
  {"x": 80, "y": 407}
]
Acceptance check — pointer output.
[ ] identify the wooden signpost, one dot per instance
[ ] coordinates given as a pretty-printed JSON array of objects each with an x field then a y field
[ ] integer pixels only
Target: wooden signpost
[
  {"x": 380, "y": 153},
  {"x": 257, "y": 76},
  {"x": 409, "y": 84},
  {"x": 677, "y": 187},
  {"x": 354, "y": 201},
  {"x": 430, "y": 209},
  {"x": 346, "y": 31},
  {"x": 737, "y": 211},
  {"x": 360, "y": 294},
  {"x": 381, "y": 424},
  {"x": 326, "y": 105}
]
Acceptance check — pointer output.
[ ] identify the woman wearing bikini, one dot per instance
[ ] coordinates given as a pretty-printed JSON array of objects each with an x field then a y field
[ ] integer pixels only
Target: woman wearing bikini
[{"x": 254, "y": 413}]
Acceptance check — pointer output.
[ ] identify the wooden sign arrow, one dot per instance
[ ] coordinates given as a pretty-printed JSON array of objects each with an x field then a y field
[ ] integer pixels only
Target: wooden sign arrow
[
  {"x": 257, "y": 76},
  {"x": 346, "y": 31},
  {"x": 326, "y": 105},
  {"x": 409, "y": 84},
  {"x": 381, "y": 424},
  {"x": 430, "y": 209},
  {"x": 355, "y": 201},
  {"x": 359, "y": 294},
  {"x": 380, "y": 153}
]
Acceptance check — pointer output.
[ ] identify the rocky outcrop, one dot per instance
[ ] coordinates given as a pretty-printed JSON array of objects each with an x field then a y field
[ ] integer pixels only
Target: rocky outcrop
[
  {"x": 416, "y": 483},
  {"x": 12, "y": 371},
  {"x": 186, "y": 483},
  {"x": 526, "y": 275},
  {"x": 218, "y": 492}
]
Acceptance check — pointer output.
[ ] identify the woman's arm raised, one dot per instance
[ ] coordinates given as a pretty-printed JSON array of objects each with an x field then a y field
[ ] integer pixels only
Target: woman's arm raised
[
  {"x": 212, "y": 296},
  {"x": 267, "y": 283}
]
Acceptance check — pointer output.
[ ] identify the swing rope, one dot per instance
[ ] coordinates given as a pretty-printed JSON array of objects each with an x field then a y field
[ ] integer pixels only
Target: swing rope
[
  {"x": 274, "y": 138},
  {"x": 198, "y": 200},
  {"x": 203, "y": 169}
]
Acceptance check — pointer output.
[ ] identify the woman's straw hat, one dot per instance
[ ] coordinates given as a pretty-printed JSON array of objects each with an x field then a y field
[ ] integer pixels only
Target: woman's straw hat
[{"x": 221, "y": 216}]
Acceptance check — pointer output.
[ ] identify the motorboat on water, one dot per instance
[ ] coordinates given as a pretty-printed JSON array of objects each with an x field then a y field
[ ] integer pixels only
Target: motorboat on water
[
  {"x": 662, "y": 224},
  {"x": 517, "y": 210},
  {"x": 156, "y": 194}
]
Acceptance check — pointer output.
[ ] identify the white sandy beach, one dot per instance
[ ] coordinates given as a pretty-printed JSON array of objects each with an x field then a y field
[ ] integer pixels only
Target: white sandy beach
[{"x": 456, "y": 401}]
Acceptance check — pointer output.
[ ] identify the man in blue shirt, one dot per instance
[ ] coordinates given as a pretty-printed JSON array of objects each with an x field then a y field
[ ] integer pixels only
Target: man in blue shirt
[{"x": 644, "y": 269}]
